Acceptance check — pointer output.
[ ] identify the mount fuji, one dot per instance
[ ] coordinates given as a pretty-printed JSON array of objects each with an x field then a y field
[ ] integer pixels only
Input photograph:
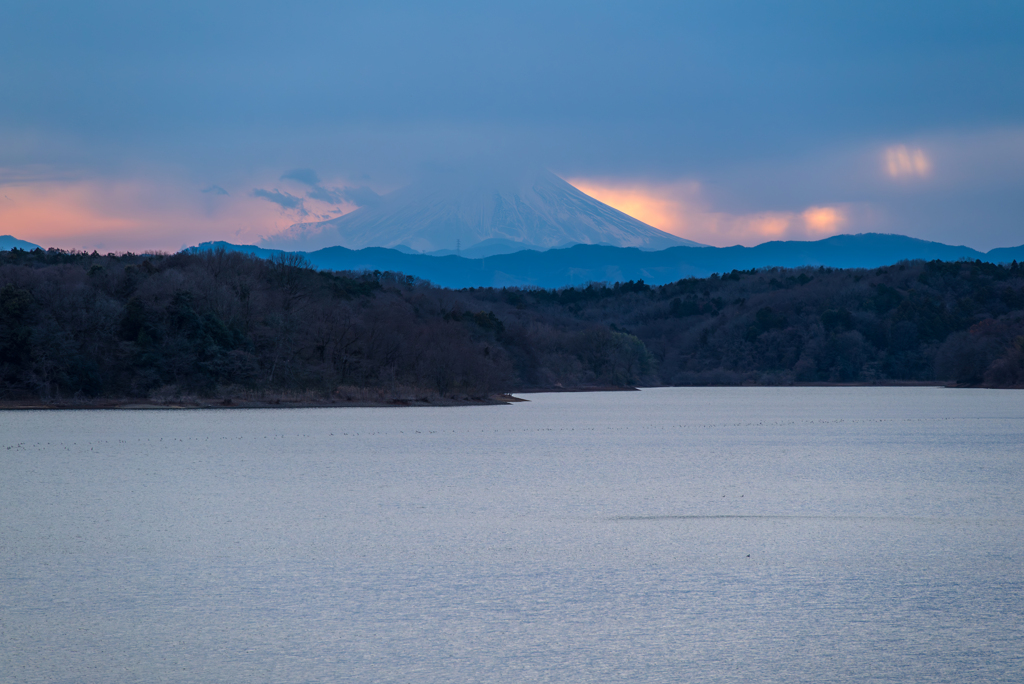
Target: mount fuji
[{"x": 480, "y": 214}]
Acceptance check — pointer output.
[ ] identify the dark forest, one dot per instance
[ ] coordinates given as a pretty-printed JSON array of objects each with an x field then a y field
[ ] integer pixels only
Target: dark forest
[{"x": 76, "y": 326}]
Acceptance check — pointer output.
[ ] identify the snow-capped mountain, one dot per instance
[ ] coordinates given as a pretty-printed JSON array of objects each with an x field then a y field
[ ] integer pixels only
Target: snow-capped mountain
[{"x": 536, "y": 211}]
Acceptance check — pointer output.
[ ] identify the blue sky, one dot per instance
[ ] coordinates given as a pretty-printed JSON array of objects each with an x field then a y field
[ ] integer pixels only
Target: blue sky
[{"x": 726, "y": 122}]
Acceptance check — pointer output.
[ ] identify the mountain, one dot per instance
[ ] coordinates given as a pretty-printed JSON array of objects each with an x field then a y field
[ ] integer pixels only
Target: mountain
[
  {"x": 487, "y": 248},
  {"x": 581, "y": 264},
  {"x": 496, "y": 213},
  {"x": 11, "y": 242}
]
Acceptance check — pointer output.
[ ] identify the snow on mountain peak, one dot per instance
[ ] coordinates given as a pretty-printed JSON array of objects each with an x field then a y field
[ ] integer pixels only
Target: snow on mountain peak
[{"x": 537, "y": 211}]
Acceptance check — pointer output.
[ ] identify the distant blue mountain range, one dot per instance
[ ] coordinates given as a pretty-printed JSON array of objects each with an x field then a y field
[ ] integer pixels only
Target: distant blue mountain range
[
  {"x": 581, "y": 264},
  {"x": 11, "y": 242}
]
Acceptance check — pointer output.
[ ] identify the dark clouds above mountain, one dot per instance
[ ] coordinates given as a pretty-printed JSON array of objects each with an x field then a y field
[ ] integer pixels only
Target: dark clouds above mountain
[
  {"x": 282, "y": 199},
  {"x": 802, "y": 97},
  {"x": 357, "y": 196},
  {"x": 304, "y": 176}
]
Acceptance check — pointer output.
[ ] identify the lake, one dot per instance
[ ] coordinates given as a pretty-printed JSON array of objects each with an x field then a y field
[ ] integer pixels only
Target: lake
[{"x": 687, "y": 534}]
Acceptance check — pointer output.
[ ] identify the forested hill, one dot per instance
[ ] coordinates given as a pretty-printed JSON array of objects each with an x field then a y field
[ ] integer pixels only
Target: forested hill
[{"x": 222, "y": 324}]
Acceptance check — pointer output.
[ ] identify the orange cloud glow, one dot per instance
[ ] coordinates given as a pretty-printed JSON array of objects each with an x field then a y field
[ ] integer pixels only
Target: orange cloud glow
[
  {"x": 902, "y": 162},
  {"x": 134, "y": 215},
  {"x": 654, "y": 209},
  {"x": 140, "y": 215},
  {"x": 679, "y": 208},
  {"x": 825, "y": 220}
]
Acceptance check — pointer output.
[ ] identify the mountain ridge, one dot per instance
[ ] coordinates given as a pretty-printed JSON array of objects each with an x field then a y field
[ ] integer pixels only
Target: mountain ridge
[
  {"x": 580, "y": 264},
  {"x": 8, "y": 242}
]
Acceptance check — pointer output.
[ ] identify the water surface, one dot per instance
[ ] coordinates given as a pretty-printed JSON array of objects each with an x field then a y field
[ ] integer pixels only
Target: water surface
[{"x": 723, "y": 534}]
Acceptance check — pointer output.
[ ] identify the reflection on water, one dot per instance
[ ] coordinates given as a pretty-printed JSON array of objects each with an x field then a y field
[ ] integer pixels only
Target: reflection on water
[{"x": 742, "y": 534}]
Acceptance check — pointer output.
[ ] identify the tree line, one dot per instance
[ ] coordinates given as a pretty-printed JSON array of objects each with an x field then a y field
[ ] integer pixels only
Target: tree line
[{"x": 213, "y": 323}]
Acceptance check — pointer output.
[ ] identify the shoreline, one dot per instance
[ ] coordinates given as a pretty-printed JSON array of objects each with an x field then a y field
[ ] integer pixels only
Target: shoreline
[
  {"x": 137, "y": 404},
  {"x": 595, "y": 388},
  {"x": 398, "y": 400}
]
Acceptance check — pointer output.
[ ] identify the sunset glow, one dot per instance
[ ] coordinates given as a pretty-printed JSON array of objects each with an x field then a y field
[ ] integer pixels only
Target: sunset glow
[
  {"x": 137, "y": 216},
  {"x": 903, "y": 162},
  {"x": 825, "y": 220},
  {"x": 680, "y": 208},
  {"x": 642, "y": 203}
]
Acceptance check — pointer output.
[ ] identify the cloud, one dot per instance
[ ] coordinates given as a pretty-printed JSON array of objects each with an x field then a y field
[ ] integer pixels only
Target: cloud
[
  {"x": 825, "y": 220},
  {"x": 136, "y": 214},
  {"x": 701, "y": 90},
  {"x": 681, "y": 209},
  {"x": 328, "y": 195},
  {"x": 903, "y": 162},
  {"x": 214, "y": 190},
  {"x": 304, "y": 176},
  {"x": 335, "y": 196},
  {"x": 360, "y": 197},
  {"x": 972, "y": 196},
  {"x": 338, "y": 201},
  {"x": 283, "y": 199}
]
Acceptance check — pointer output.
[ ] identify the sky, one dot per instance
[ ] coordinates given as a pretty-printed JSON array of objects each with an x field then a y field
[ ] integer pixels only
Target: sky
[{"x": 133, "y": 126}]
